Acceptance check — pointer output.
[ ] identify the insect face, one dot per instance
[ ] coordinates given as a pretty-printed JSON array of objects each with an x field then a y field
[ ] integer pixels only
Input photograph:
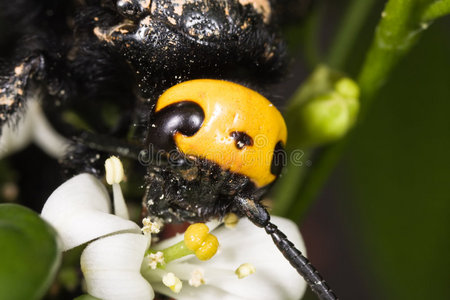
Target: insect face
[
  {"x": 240, "y": 129},
  {"x": 226, "y": 136}
]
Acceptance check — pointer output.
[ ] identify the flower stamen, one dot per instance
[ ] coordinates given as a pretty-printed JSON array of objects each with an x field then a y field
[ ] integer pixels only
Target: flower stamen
[
  {"x": 231, "y": 220},
  {"x": 197, "y": 278},
  {"x": 172, "y": 282},
  {"x": 155, "y": 259},
  {"x": 150, "y": 227},
  {"x": 114, "y": 175},
  {"x": 198, "y": 239},
  {"x": 114, "y": 170},
  {"x": 245, "y": 270}
]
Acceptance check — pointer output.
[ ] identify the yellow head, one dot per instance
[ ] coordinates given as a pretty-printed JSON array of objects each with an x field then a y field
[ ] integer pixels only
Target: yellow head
[{"x": 240, "y": 129}]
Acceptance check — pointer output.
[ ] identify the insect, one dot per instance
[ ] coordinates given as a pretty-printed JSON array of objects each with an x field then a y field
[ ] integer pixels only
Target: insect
[{"x": 218, "y": 144}]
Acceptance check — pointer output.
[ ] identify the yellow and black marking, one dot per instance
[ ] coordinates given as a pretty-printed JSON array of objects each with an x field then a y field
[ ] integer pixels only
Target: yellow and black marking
[{"x": 228, "y": 124}]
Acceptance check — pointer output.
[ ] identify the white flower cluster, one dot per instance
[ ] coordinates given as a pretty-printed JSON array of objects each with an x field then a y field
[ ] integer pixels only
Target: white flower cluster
[{"x": 115, "y": 266}]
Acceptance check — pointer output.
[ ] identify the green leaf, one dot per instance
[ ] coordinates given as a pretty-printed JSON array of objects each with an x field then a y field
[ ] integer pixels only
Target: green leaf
[{"x": 29, "y": 253}]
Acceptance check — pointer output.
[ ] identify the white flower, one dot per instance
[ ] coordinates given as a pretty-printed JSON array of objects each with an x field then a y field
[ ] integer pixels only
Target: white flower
[
  {"x": 33, "y": 126},
  {"x": 80, "y": 211},
  {"x": 114, "y": 265},
  {"x": 111, "y": 267},
  {"x": 274, "y": 277}
]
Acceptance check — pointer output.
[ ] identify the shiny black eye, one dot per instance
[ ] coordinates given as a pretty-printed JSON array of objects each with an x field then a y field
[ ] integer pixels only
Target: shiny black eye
[
  {"x": 185, "y": 117},
  {"x": 241, "y": 139},
  {"x": 278, "y": 159}
]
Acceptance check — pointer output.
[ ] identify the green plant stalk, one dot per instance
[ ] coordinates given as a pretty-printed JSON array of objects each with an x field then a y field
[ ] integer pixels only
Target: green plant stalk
[
  {"x": 396, "y": 33},
  {"x": 350, "y": 26},
  {"x": 311, "y": 46},
  {"x": 314, "y": 180},
  {"x": 285, "y": 191},
  {"x": 436, "y": 10},
  {"x": 173, "y": 252}
]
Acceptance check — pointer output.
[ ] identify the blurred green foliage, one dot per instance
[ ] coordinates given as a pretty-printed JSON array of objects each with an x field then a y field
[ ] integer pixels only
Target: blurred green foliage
[
  {"x": 29, "y": 253},
  {"x": 398, "y": 166}
]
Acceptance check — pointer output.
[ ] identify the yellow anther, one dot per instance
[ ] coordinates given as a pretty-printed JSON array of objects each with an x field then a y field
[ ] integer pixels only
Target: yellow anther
[
  {"x": 114, "y": 170},
  {"x": 208, "y": 248},
  {"x": 198, "y": 239},
  {"x": 195, "y": 235},
  {"x": 231, "y": 220}
]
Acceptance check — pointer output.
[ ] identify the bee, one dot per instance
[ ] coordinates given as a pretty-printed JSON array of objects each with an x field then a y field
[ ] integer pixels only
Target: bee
[{"x": 172, "y": 69}]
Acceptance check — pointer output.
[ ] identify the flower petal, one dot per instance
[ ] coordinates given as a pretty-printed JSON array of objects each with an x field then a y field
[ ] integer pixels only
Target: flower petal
[
  {"x": 193, "y": 293},
  {"x": 111, "y": 267},
  {"x": 15, "y": 137},
  {"x": 274, "y": 278},
  {"x": 44, "y": 135},
  {"x": 33, "y": 125},
  {"x": 80, "y": 211},
  {"x": 120, "y": 207}
]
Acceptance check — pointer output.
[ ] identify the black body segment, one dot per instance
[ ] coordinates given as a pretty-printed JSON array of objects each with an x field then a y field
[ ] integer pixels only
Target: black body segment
[
  {"x": 279, "y": 159},
  {"x": 261, "y": 218},
  {"x": 180, "y": 188}
]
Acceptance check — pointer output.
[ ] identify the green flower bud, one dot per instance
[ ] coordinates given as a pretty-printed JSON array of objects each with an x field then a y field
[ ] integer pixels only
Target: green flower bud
[
  {"x": 326, "y": 109},
  {"x": 347, "y": 88},
  {"x": 327, "y": 118}
]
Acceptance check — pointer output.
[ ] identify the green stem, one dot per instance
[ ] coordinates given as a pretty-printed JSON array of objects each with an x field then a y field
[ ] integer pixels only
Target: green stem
[
  {"x": 314, "y": 180},
  {"x": 436, "y": 10},
  {"x": 351, "y": 25},
  {"x": 395, "y": 35},
  {"x": 286, "y": 190},
  {"x": 311, "y": 50},
  {"x": 173, "y": 252}
]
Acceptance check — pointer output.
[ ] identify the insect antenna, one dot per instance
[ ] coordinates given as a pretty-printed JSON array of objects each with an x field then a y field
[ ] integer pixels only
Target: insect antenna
[{"x": 261, "y": 218}]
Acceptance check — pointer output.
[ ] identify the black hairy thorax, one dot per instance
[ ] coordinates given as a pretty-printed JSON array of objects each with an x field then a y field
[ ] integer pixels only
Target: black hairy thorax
[
  {"x": 181, "y": 188},
  {"x": 215, "y": 39}
]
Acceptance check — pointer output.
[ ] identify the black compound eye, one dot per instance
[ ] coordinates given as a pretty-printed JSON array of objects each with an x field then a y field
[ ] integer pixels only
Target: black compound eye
[
  {"x": 185, "y": 117},
  {"x": 241, "y": 139},
  {"x": 278, "y": 159}
]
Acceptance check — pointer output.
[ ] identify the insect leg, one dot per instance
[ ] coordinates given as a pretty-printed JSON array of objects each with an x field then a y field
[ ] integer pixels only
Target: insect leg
[
  {"x": 261, "y": 218},
  {"x": 88, "y": 152},
  {"x": 15, "y": 85},
  {"x": 300, "y": 263}
]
